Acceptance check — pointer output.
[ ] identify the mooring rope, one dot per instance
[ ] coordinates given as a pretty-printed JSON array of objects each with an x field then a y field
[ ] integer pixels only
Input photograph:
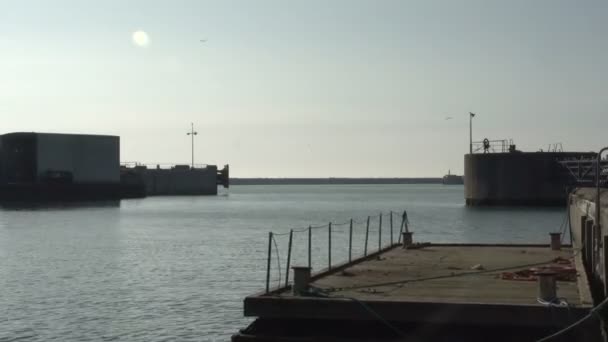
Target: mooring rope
[{"x": 595, "y": 312}]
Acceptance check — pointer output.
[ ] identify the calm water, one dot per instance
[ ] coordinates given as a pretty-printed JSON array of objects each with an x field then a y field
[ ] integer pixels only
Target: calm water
[{"x": 177, "y": 268}]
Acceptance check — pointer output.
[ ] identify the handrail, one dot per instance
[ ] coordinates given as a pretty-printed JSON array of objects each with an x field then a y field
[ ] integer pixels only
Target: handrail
[{"x": 502, "y": 144}]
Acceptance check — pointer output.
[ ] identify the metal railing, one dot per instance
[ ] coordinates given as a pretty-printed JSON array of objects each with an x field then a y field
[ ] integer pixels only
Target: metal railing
[
  {"x": 492, "y": 146},
  {"x": 584, "y": 171},
  {"x": 331, "y": 243}
]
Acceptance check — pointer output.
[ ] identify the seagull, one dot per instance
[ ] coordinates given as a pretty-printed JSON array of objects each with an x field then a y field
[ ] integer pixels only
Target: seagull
[{"x": 449, "y": 118}]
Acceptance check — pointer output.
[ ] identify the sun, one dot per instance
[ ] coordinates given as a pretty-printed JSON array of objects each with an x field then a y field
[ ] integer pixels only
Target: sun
[{"x": 140, "y": 38}]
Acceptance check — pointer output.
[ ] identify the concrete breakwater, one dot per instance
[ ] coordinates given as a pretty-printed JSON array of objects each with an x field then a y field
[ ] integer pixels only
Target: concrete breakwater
[{"x": 333, "y": 180}]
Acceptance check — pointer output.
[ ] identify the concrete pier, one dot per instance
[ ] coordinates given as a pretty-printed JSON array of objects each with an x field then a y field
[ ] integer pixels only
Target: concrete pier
[
  {"x": 436, "y": 293},
  {"x": 518, "y": 178},
  {"x": 177, "y": 179}
]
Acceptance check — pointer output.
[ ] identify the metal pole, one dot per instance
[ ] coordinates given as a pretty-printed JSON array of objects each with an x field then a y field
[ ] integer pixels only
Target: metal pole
[
  {"x": 597, "y": 184},
  {"x": 401, "y": 226},
  {"x": 391, "y": 227},
  {"x": 192, "y": 133},
  {"x": 329, "y": 246},
  {"x": 309, "y": 246},
  {"x": 350, "y": 241},
  {"x": 400, "y": 229},
  {"x": 192, "y": 149},
  {"x": 471, "y": 115},
  {"x": 288, "y": 257},
  {"x": 380, "y": 233},
  {"x": 268, "y": 264},
  {"x": 366, "y": 237}
]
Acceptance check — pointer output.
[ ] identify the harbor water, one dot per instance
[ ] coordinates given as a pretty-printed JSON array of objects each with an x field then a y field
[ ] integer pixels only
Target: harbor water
[{"x": 177, "y": 268}]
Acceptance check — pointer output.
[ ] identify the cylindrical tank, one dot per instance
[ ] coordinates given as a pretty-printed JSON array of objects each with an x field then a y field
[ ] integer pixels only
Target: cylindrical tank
[{"x": 517, "y": 178}]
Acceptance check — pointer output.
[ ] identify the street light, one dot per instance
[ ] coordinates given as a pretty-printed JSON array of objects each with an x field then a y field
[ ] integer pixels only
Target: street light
[
  {"x": 192, "y": 133},
  {"x": 471, "y": 116}
]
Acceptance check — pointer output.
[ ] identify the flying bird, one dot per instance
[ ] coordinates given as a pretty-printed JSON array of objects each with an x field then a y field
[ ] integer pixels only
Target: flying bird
[
  {"x": 203, "y": 40},
  {"x": 449, "y": 118}
]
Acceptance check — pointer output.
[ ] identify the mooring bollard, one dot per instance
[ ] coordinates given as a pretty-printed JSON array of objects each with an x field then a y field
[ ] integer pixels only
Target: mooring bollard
[
  {"x": 407, "y": 239},
  {"x": 546, "y": 286},
  {"x": 301, "y": 279},
  {"x": 556, "y": 241}
]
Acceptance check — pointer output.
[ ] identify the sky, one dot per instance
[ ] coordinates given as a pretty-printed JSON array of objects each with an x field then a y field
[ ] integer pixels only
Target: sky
[{"x": 314, "y": 88}]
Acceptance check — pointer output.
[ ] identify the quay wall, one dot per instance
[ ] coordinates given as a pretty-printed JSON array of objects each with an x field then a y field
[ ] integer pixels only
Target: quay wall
[{"x": 588, "y": 237}]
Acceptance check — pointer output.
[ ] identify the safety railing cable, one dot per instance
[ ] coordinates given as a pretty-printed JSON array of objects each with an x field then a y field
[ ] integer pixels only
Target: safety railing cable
[{"x": 336, "y": 240}]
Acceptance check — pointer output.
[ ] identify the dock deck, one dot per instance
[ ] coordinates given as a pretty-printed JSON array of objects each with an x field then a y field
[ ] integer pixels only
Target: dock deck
[
  {"x": 455, "y": 285},
  {"x": 445, "y": 275}
]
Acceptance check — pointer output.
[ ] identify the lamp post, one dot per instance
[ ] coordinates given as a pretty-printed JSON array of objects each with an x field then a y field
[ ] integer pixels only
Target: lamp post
[
  {"x": 471, "y": 116},
  {"x": 192, "y": 133}
]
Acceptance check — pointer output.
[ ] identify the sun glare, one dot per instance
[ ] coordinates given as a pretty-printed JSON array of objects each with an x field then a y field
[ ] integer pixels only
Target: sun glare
[{"x": 140, "y": 38}]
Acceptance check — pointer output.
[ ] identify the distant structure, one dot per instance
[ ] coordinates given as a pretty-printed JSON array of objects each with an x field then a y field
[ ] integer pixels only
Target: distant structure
[
  {"x": 176, "y": 179},
  {"x": 332, "y": 181},
  {"x": 496, "y": 173},
  {"x": 48, "y": 166},
  {"x": 451, "y": 179},
  {"x": 43, "y": 166}
]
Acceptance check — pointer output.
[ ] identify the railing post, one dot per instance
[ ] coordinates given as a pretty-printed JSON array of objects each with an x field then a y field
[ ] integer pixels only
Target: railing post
[
  {"x": 401, "y": 228},
  {"x": 391, "y": 227},
  {"x": 268, "y": 264},
  {"x": 288, "y": 257},
  {"x": 350, "y": 241},
  {"x": 380, "y": 233},
  {"x": 329, "y": 246},
  {"x": 366, "y": 237},
  {"x": 310, "y": 247}
]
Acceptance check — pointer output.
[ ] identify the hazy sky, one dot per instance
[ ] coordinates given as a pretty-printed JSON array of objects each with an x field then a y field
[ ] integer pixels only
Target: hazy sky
[{"x": 309, "y": 88}]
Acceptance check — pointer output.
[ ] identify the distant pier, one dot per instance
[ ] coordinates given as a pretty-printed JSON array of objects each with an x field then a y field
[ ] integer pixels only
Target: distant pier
[
  {"x": 519, "y": 178},
  {"x": 172, "y": 180}
]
